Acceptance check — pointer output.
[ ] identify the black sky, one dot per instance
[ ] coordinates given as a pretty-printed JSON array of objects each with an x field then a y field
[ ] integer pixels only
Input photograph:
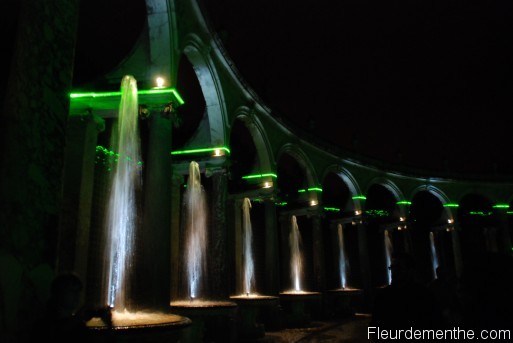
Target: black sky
[{"x": 428, "y": 84}]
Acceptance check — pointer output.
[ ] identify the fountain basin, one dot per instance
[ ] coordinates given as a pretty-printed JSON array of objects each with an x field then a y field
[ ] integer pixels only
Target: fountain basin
[
  {"x": 255, "y": 300},
  {"x": 212, "y": 321},
  {"x": 146, "y": 327},
  {"x": 297, "y": 307},
  {"x": 250, "y": 307},
  {"x": 342, "y": 302}
]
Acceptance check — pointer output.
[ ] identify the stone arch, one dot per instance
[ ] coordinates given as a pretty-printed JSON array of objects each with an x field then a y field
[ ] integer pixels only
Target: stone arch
[
  {"x": 353, "y": 204},
  {"x": 303, "y": 161},
  {"x": 432, "y": 234},
  {"x": 251, "y": 167},
  {"x": 259, "y": 136},
  {"x": 341, "y": 230},
  {"x": 198, "y": 54}
]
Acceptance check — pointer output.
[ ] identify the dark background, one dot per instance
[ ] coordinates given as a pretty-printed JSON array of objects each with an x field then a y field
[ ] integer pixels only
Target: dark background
[
  {"x": 428, "y": 84},
  {"x": 425, "y": 84}
]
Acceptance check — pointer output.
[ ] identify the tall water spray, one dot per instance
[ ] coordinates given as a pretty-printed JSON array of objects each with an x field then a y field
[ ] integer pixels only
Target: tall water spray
[
  {"x": 296, "y": 256},
  {"x": 388, "y": 255},
  {"x": 434, "y": 255},
  {"x": 249, "y": 273},
  {"x": 342, "y": 258},
  {"x": 195, "y": 231},
  {"x": 122, "y": 206}
]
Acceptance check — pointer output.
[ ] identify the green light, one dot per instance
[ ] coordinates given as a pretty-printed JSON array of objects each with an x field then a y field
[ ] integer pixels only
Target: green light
[
  {"x": 311, "y": 189},
  {"x": 403, "y": 202},
  {"x": 109, "y": 157},
  {"x": 359, "y": 197},
  {"x": 196, "y": 151},
  {"x": 118, "y": 94},
  {"x": 257, "y": 176},
  {"x": 509, "y": 212},
  {"x": 501, "y": 206},
  {"x": 332, "y": 209},
  {"x": 377, "y": 213},
  {"x": 480, "y": 213},
  {"x": 281, "y": 203},
  {"x": 451, "y": 205}
]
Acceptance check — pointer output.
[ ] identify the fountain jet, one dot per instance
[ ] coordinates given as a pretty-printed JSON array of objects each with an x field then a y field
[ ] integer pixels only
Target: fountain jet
[
  {"x": 196, "y": 231},
  {"x": 434, "y": 256},
  {"x": 249, "y": 270},
  {"x": 342, "y": 258},
  {"x": 296, "y": 258},
  {"x": 122, "y": 207},
  {"x": 388, "y": 255}
]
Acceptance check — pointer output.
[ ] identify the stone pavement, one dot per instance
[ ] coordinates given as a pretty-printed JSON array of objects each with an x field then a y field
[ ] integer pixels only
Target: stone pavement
[{"x": 349, "y": 330}]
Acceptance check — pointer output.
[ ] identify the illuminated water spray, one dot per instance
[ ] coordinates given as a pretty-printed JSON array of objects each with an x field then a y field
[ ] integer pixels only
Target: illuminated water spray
[
  {"x": 296, "y": 256},
  {"x": 342, "y": 258},
  {"x": 434, "y": 256},
  {"x": 122, "y": 209},
  {"x": 195, "y": 231},
  {"x": 388, "y": 254},
  {"x": 249, "y": 270}
]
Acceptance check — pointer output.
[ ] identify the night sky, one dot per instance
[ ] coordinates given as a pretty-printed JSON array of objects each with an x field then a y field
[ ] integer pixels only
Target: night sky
[{"x": 427, "y": 84}]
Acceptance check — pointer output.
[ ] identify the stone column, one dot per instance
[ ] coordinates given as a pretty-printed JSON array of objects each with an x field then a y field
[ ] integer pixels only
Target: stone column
[
  {"x": 218, "y": 257},
  {"x": 319, "y": 268},
  {"x": 503, "y": 236},
  {"x": 77, "y": 193},
  {"x": 363, "y": 254},
  {"x": 456, "y": 245},
  {"x": 272, "y": 262},
  {"x": 285, "y": 228},
  {"x": 176, "y": 260},
  {"x": 154, "y": 235},
  {"x": 239, "y": 249}
]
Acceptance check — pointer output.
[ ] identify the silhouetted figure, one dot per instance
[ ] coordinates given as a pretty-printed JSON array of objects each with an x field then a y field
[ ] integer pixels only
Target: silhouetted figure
[
  {"x": 63, "y": 319},
  {"x": 446, "y": 297},
  {"x": 405, "y": 303}
]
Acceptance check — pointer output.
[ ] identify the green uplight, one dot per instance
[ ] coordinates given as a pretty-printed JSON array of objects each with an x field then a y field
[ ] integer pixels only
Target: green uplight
[
  {"x": 118, "y": 94},
  {"x": 403, "y": 202},
  {"x": 501, "y": 206},
  {"x": 377, "y": 213},
  {"x": 311, "y": 189},
  {"x": 258, "y": 176},
  {"x": 359, "y": 197},
  {"x": 332, "y": 209},
  {"x": 107, "y": 157},
  {"x": 197, "y": 151},
  {"x": 451, "y": 205},
  {"x": 480, "y": 213},
  {"x": 281, "y": 203}
]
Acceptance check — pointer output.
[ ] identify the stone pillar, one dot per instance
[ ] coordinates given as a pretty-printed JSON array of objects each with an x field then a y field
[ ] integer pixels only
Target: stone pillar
[
  {"x": 176, "y": 260},
  {"x": 319, "y": 268},
  {"x": 239, "y": 245},
  {"x": 503, "y": 236},
  {"x": 77, "y": 193},
  {"x": 363, "y": 254},
  {"x": 272, "y": 263},
  {"x": 153, "y": 262},
  {"x": 456, "y": 245},
  {"x": 218, "y": 256},
  {"x": 285, "y": 227}
]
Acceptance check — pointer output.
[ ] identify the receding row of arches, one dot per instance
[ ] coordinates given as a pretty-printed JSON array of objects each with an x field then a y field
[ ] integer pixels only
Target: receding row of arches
[{"x": 438, "y": 229}]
